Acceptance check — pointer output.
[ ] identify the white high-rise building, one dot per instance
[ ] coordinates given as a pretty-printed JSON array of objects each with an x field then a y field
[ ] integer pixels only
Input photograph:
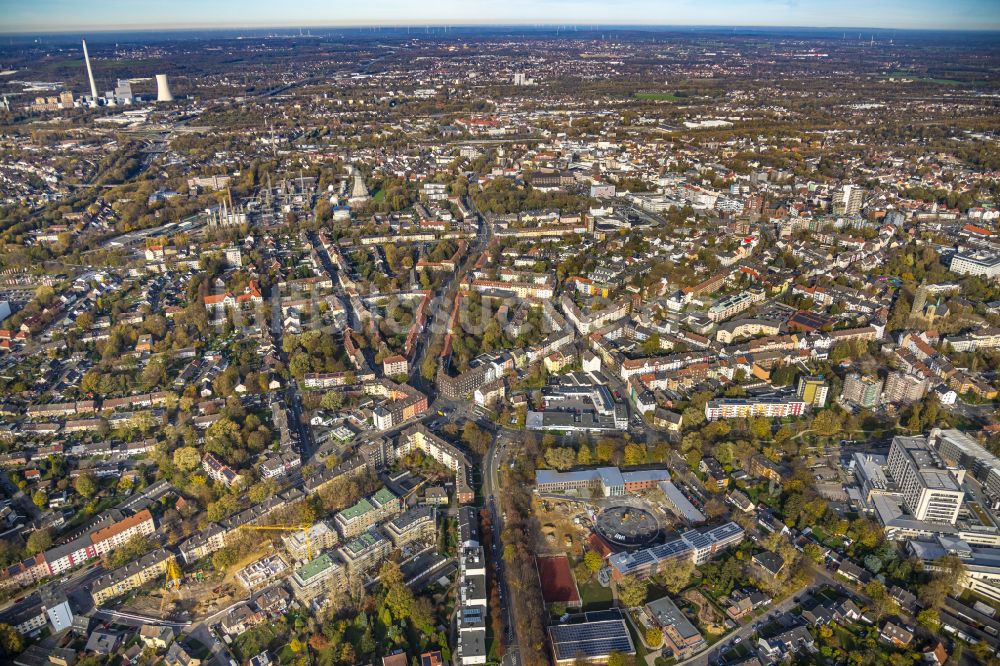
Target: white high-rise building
[
  {"x": 931, "y": 490},
  {"x": 849, "y": 200}
]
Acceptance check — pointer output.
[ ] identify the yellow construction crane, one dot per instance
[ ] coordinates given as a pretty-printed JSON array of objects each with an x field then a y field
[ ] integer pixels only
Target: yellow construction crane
[
  {"x": 286, "y": 528},
  {"x": 172, "y": 579}
]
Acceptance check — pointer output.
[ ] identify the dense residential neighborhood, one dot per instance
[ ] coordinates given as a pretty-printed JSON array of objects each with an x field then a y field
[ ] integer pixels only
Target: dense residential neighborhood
[{"x": 500, "y": 347}]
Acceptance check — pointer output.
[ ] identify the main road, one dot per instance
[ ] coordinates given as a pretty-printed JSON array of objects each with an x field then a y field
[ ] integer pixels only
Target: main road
[{"x": 494, "y": 458}]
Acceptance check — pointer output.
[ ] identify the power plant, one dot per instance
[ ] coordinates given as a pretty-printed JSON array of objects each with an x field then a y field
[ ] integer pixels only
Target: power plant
[
  {"x": 90, "y": 75},
  {"x": 163, "y": 93},
  {"x": 121, "y": 95}
]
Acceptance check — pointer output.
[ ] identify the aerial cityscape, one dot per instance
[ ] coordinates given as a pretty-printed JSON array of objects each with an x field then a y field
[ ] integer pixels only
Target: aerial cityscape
[{"x": 619, "y": 342}]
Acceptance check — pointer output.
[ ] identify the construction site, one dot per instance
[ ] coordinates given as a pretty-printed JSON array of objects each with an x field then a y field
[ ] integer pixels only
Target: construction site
[
  {"x": 622, "y": 522},
  {"x": 205, "y": 591}
]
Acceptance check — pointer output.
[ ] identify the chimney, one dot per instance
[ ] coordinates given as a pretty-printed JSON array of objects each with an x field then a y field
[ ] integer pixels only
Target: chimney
[{"x": 90, "y": 73}]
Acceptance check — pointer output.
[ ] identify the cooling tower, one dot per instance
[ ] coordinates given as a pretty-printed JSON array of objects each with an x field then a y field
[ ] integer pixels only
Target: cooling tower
[
  {"x": 163, "y": 93},
  {"x": 90, "y": 73}
]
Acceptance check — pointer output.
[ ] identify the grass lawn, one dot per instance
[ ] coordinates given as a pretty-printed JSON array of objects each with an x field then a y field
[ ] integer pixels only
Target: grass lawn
[
  {"x": 595, "y": 597},
  {"x": 251, "y": 642},
  {"x": 287, "y": 656},
  {"x": 847, "y": 640},
  {"x": 827, "y": 540},
  {"x": 658, "y": 96},
  {"x": 491, "y": 643}
]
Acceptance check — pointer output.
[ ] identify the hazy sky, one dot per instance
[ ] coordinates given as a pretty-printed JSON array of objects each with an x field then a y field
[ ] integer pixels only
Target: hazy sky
[{"x": 82, "y": 15}]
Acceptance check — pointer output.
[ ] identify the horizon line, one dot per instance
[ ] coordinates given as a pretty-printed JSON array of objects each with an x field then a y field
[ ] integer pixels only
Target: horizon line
[{"x": 185, "y": 27}]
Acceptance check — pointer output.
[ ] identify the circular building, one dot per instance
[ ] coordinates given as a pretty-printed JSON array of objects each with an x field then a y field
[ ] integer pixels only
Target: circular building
[{"x": 627, "y": 527}]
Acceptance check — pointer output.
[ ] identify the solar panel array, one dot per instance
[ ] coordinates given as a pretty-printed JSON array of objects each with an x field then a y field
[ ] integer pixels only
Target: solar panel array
[
  {"x": 472, "y": 615},
  {"x": 590, "y": 639},
  {"x": 692, "y": 541}
]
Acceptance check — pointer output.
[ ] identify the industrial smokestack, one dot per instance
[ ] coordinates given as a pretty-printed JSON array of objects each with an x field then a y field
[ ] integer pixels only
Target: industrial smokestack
[
  {"x": 163, "y": 93},
  {"x": 90, "y": 73}
]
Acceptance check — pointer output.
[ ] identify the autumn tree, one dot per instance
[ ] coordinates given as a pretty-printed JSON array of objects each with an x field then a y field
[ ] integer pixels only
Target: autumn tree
[
  {"x": 560, "y": 457},
  {"x": 635, "y": 454},
  {"x": 882, "y": 603},
  {"x": 39, "y": 540},
  {"x": 85, "y": 485},
  {"x": 593, "y": 561},
  {"x": 396, "y": 596},
  {"x": 930, "y": 618},
  {"x": 620, "y": 659},
  {"x": 828, "y": 423},
  {"x": 946, "y": 574},
  {"x": 187, "y": 458},
  {"x": 11, "y": 642},
  {"x": 632, "y": 591},
  {"x": 677, "y": 577},
  {"x": 605, "y": 449},
  {"x": 476, "y": 438}
]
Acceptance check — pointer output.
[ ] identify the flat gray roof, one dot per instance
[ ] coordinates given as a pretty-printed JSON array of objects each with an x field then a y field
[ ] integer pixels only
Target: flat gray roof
[{"x": 667, "y": 614}]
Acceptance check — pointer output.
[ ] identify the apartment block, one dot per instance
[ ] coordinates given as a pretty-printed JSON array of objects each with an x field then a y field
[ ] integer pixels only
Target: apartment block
[
  {"x": 904, "y": 388},
  {"x": 741, "y": 408},
  {"x": 324, "y": 574},
  {"x": 365, "y": 552},
  {"x": 133, "y": 575},
  {"x": 864, "y": 391},
  {"x": 416, "y": 524}
]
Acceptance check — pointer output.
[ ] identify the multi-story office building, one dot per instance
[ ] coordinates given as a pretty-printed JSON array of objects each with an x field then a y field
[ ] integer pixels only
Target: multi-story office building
[
  {"x": 960, "y": 449},
  {"x": 367, "y": 512},
  {"x": 984, "y": 338},
  {"x": 726, "y": 307},
  {"x": 472, "y": 613},
  {"x": 420, "y": 438},
  {"x": 611, "y": 481},
  {"x": 56, "y": 607},
  {"x": 984, "y": 264},
  {"x": 109, "y": 533},
  {"x": 931, "y": 490}
]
